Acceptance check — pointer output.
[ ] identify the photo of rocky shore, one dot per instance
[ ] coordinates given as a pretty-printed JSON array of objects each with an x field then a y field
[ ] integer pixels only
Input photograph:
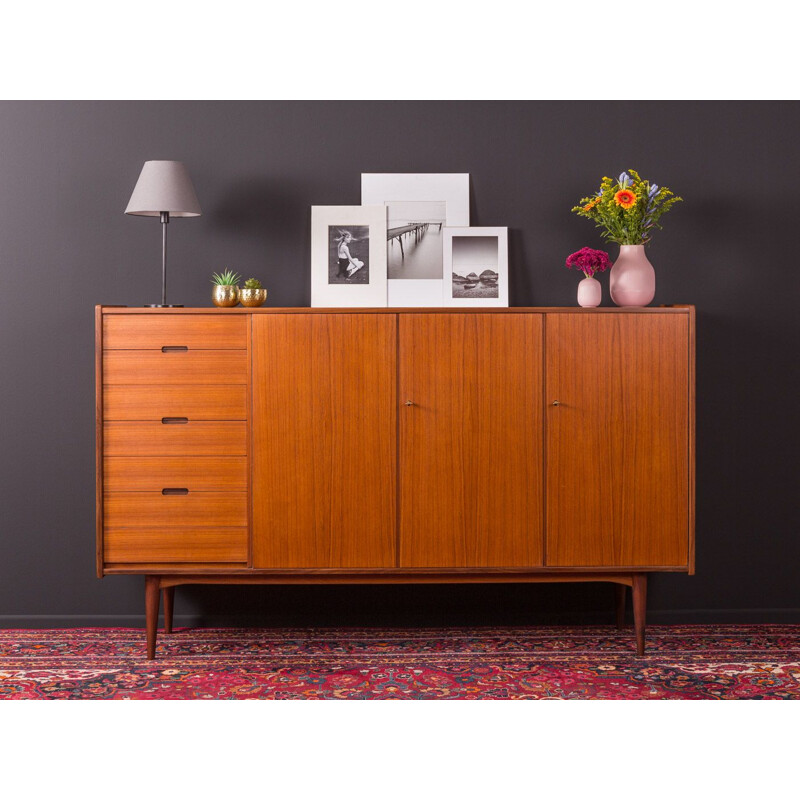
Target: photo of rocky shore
[
  {"x": 474, "y": 285},
  {"x": 475, "y": 267}
]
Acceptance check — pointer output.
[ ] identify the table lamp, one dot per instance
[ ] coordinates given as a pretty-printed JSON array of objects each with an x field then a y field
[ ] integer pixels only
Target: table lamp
[{"x": 164, "y": 189}]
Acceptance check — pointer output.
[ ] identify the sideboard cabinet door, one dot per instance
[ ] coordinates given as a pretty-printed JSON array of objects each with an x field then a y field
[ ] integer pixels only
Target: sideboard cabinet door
[
  {"x": 470, "y": 407},
  {"x": 324, "y": 440},
  {"x": 617, "y": 419}
]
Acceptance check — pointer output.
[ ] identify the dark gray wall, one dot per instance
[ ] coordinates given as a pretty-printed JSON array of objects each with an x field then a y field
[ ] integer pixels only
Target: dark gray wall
[{"x": 67, "y": 171}]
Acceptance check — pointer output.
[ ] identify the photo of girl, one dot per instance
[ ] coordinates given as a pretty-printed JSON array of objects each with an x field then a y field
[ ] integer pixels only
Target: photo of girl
[{"x": 348, "y": 254}]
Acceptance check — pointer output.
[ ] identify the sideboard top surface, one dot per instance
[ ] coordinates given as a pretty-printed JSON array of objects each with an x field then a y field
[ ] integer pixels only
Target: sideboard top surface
[{"x": 670, "y": 309}]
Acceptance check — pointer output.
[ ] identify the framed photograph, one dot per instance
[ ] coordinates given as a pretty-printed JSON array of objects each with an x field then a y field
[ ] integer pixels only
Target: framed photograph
[
  {"x": 418, "y": 207},
  {"x": 348, "y": 256},
  {"x": 476, "y": 267}
]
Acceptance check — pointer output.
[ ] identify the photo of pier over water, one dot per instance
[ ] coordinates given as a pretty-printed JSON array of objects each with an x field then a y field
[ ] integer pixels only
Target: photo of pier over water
[{"x": 414, "y": 239}]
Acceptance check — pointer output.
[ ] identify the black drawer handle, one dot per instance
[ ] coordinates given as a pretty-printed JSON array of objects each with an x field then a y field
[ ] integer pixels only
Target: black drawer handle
[
  {"x": 174, "y": 420},
  {"x": 174, "y": 491},
  {"x": 175, "y": 349}
]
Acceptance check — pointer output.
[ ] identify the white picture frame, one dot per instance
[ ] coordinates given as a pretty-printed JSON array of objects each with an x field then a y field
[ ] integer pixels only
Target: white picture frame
[
  {"x": 469, "y": 253},
  {"x": 449, "y": 193},
  {"x": 332, "y": 286}
]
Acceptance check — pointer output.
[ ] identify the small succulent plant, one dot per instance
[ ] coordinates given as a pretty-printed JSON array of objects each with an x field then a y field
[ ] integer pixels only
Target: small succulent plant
[
  {"x": 227, "y": 278},
  {"x": 252, "y": 283}
]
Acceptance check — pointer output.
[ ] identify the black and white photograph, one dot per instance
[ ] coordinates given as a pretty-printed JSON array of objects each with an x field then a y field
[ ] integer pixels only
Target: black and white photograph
[
  {"x": 475, "y": 266},
  {"x": 348, "y": 254},
  {"x": 414, "y": 234},
  {"x": 418, "y": 206}
]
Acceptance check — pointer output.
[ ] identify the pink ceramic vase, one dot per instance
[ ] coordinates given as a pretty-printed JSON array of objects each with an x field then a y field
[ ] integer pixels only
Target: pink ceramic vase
[
  {"x": 632, "y": 280},
  {"x": 589, "y": 292}
]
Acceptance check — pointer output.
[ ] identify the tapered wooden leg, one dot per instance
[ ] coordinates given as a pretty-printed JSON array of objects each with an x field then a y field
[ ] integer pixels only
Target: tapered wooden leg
[
  {"x": 169, "y": 596},
  {"x": 152, "y": 594},
  {"x": 639, "y": 610},
  {"x": 620, "y": 590}
]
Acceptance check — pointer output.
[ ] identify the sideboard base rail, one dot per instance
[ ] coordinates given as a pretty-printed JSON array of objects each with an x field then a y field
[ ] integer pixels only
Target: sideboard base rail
[{"x": 166, "y": 583}]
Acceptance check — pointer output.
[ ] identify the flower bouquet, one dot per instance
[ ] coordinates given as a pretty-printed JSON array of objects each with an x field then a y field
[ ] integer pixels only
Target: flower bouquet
[
  {"x": 628, "y": 211},
  {"x": 589, "y": 262}
]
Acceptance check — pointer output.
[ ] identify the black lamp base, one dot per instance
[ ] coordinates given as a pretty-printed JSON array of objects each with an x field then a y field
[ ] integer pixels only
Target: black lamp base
[{"x": 163, "y": 305}]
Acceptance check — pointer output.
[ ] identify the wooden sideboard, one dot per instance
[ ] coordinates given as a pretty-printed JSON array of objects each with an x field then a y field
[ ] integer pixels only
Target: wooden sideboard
[{"x": 421, "y": 445}]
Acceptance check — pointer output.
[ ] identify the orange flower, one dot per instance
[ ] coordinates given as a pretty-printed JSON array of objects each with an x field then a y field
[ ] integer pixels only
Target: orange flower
[
  {"x": 590, "y": 205},
  {"x": 625, "y": 198}
]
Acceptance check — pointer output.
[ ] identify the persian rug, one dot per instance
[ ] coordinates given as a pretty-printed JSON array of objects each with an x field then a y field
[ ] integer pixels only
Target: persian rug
[{"x": 682, "y": 662}]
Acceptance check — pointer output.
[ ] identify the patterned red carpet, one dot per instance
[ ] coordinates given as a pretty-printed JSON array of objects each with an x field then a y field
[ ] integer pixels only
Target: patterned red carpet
[{"x": 683, "y": 662}]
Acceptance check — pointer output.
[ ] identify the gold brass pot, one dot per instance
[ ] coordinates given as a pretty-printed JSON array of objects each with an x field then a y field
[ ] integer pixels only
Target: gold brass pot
[
  {"x": 225, "y": 296},
  {"x": 252, "y": 297}
]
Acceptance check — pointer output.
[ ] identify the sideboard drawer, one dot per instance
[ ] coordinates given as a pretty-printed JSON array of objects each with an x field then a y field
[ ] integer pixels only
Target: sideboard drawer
[
  {"x": 195, "y": 473},
  {"x": 183, "y": 366},
  {"x": 143, "y": 402},
  {"x": 155, "y": 545},
  {"x": 157, "y": 510},
  {"x": 152, "y": 332},
  {"x": 189, "y": 439}
]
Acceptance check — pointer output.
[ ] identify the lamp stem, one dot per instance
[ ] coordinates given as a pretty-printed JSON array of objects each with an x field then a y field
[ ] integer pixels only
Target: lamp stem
[{"x": 164, "y": 223}]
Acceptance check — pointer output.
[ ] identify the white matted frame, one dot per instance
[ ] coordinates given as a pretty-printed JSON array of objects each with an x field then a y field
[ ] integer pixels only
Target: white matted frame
[
  {"x": 328, "y": 219},
  {"x": 450, "y": 189},
  {"x": 470, "y": 256}
]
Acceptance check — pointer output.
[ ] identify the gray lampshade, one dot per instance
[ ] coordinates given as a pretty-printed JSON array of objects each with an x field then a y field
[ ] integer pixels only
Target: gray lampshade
[{"x": 164, "y": 186}]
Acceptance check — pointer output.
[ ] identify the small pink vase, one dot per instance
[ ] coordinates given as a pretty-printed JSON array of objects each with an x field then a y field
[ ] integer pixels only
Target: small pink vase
[
  {"x": 590, "y": 293},
  {"x": 632, "y": 280}
]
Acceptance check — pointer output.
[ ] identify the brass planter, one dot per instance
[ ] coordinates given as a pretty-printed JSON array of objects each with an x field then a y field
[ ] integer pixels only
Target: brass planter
[
  {"x": 252, "y": 297},
  {"x": 225, "y": 296}
]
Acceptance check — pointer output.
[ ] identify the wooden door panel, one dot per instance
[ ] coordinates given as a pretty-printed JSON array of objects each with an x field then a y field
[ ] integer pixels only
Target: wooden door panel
[
  {"x": 471, "y": 443},
  {"x": 617, "y": 443},
  {"x": 324, "y": 440}
]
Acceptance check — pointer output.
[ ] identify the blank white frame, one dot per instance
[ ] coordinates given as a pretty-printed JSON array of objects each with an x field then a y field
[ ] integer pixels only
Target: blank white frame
[
  {"x": 339, "y": 295},
  {"x": 502, "y": 268},
  {"x": 387, "y": 187}
]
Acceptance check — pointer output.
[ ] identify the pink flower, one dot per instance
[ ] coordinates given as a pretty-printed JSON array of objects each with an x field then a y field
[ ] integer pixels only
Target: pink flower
[{"x": 589, "y": 261}]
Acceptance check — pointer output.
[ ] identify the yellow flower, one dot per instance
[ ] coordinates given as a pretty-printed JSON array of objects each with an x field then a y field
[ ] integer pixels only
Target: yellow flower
[{"x": 625, "y": 198}]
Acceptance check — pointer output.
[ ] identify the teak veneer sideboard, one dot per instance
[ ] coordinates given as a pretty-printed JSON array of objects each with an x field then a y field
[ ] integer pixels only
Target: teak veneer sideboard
[{"x": 422, "y": 445}]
